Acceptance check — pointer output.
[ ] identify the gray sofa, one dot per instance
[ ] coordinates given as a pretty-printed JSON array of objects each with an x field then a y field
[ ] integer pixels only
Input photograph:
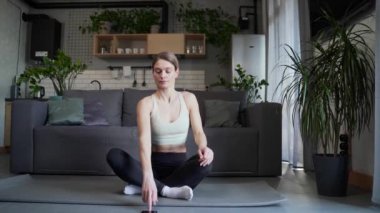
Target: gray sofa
[{"x": 251, "y": 150}]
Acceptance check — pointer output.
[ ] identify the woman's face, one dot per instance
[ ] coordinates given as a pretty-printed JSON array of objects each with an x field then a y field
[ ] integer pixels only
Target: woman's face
[{"x": 164, "y": 74}]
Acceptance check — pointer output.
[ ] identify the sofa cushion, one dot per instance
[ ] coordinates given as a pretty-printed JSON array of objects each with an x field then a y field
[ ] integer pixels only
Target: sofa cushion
[
  {"x": 236, "y": 150},
  {"x": 94, "y": 114},
  {"x": 65, "y": 112},
  {"x": 220, "y": 113},
  {"x": 131, "y": 98},
  {"x": 219, "y": 95},
  {"x": 80, "y": 149},
  {"x": 111, "y": 99}
]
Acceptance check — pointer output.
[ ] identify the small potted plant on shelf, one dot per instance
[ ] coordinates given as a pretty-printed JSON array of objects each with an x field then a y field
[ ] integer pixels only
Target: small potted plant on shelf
[
  {"x": 122, "y": 21},
  {"x": 243, "y": 82},
  {"x": 217, "y": 25},
  {"x": 331, "y": 91},
  {"x": 62, "y": 72},
  {"x": 102, "y": 22},
  {"x": 144, "y": 19}
]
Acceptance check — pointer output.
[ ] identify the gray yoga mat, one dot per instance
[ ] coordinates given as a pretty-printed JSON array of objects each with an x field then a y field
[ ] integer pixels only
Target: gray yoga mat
[{"x": 107, "y": 190}]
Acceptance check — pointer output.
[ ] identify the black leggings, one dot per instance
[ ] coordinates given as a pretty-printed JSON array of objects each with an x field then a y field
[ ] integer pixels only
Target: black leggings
[{"x": 170, "y": 169}]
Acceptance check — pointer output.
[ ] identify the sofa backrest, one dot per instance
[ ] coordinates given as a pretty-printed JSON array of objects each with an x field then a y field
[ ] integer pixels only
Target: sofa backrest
[
  {"x": 120, "y": 107},
  {"x": 112, "y": 101},
  {"x": 130, "y": 99},
  {"x": 132, "y": 96},
  {"x": 227, "y": 95}
]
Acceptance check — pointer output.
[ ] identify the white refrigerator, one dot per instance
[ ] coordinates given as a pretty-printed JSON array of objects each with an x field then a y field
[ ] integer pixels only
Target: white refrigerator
[{"x": 248, "y": 50}]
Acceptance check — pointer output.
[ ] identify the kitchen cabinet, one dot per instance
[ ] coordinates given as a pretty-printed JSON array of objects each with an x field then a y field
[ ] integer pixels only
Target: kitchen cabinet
[
  {"x": 143, "y": 45},
  {"x": 159, "y": 42}
]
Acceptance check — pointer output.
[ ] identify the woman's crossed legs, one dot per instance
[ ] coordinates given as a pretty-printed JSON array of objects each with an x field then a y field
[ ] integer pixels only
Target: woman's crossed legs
[{"x": 175, "y": 176}]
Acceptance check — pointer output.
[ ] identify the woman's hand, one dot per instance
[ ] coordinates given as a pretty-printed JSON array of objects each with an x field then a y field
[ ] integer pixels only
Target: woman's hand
[
  {"x": 149, "y": 192},
  {"x": 206, "y": 156}
]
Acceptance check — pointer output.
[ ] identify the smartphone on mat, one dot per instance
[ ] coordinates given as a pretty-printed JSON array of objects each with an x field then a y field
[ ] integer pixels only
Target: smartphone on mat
[{"x": 146, "y": 211}]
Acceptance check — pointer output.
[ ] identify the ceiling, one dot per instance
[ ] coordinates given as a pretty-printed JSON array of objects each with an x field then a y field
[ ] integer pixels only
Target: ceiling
[
  {"x": 345, "y": 11},
  {"x": 50, "y": 4},
  {"x": 72, "y": 1}
]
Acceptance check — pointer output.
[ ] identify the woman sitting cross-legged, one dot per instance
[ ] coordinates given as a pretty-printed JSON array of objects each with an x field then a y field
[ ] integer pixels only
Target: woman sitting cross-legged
[{"x": 163, "y": 121}]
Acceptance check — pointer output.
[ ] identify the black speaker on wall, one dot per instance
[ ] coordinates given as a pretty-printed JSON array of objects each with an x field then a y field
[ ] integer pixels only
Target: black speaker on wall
[{"x": 45, "y": 38}]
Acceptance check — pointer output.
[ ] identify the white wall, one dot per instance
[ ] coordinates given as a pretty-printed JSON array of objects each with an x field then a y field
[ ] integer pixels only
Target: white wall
[
  {"x": 362, "y": 146},
  {"x": 12, "y": 52},
  {"x": 188, "y": 79}
]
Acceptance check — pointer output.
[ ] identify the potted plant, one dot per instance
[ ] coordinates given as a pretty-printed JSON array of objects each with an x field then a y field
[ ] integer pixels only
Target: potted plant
[
  {"x": 217, "y": 25},
  {"x": 102, "y": 22},
  {"x": 332, "y": 91},
  {"x": 243, "y": 82},
  {"x": 144, "y": 19},
  {"x": 62, "y": 72},
  {"x": 122, "y": 21}
]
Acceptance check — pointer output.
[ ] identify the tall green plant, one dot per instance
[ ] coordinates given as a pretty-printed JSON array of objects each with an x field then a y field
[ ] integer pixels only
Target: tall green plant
[{"x": 334, "y": 89}]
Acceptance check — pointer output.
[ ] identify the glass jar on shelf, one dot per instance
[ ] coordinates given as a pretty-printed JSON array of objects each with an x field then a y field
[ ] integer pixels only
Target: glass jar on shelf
[
  {"x": 200, "y": 49},
  {"x": 193, "y": 49}
]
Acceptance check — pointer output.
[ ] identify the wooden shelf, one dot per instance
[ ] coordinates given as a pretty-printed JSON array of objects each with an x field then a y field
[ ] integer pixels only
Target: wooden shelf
[
  {"x": 159, "y": 42},
  {"x": 144, "y": 45},
  {"x": 115, "y": 55}
]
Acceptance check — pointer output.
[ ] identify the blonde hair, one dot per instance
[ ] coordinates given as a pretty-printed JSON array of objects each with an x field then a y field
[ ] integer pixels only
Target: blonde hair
[{"x": 167, "y": 56}]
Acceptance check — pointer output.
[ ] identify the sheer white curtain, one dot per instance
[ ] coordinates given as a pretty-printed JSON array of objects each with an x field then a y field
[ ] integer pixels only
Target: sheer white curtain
[
  {"x": 287, "y": 24},
  {"x": 376, "y": 173}
]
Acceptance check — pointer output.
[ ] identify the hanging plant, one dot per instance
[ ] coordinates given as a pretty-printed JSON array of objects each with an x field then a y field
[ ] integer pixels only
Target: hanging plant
[{"x": 217, "y": 25}]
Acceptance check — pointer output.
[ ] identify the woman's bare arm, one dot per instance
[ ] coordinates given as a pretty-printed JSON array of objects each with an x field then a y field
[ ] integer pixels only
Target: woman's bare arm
[
  {"x": 206, "y": 155},
  {"x": 195, "y": 119},
  {"x": 149, "y": 188}
]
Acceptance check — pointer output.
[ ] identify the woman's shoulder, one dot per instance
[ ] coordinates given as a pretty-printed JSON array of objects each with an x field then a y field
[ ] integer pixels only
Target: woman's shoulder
[
  {"x": 145, "y": 103},
  {"x": 189, "y": 97}
]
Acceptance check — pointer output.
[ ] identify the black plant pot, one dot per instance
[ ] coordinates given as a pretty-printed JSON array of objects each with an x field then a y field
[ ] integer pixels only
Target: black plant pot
[{"x": 331, "y": 174}]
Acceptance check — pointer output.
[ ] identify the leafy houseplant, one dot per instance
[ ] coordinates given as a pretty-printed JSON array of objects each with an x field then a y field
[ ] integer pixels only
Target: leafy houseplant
[
  {"x": 243, "y": 82},
  {"x": 217, "y": 25},
  {"x": 144, "y": 19},
  {"x": 61, "y": 71},
  {"x": 122, "y": 21},
  {"x": 99, "y": 20},
  {"x": 332, "y": 90}
]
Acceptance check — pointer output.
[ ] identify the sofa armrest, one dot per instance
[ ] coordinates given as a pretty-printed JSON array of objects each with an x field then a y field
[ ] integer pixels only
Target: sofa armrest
[
  {"x": 26, "y": 115},
  {"x": 266, "y": 117}
]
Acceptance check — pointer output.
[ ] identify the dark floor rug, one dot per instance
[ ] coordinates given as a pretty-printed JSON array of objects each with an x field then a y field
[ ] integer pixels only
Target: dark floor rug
[{"x": 107, "y": 190}]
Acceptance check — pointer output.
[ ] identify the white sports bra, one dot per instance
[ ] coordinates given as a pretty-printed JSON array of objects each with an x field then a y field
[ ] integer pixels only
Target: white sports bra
[{"x": 170, "y": 133}]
